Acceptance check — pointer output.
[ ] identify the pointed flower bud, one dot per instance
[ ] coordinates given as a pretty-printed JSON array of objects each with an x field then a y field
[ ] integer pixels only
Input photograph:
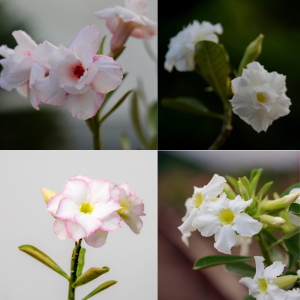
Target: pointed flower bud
[
  {"x": 281, "y": 203},
  {"x": 273, "y": 221},
  {"x": 285, "y": 281},
  {"x": 47, "y": 195}
]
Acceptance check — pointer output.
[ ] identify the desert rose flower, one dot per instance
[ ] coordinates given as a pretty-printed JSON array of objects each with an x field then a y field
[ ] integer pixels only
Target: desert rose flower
[
  {"x": 182, "y": 47},
  {"x": 75, "y": 76},
  {"x": 223, "y": 218},
  {"x": 259, "y": 96},
  {"x": 295, "y": 219},
  {"x": 17, "y": 66},
  {"x": 126, "y": 21},
  {"x": 293, "y": 294},
  {"x": 262, "y": 287},
  {"x": 132, "y": 208}
]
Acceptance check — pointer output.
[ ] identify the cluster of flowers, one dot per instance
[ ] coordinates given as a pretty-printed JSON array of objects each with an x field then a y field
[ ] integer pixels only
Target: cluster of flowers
[
  {"x": 75, "y": 76},
  {"x": 90, "y": 208},
  {"x": 259, "y": 96}
]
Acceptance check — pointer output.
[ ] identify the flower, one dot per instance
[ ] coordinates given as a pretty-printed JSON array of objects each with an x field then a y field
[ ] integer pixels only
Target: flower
[
  {"x": 182, "y": 47},
  {"x": 86, "y": 209},
  {"x": 75, "y": 76},
  {"x": 259, "y": 96},
  {"x": 262, "y": 286},
  {"x": 293, "y": 294},
  {"x": 132, "y": 208},
  {"x": 295, "y": 219},
  {"x": 17, "y": 66},
  {"x": 223, "y": 218},
  {"x": 126, "y": 21},
  {"x": 193, "y": 205}
]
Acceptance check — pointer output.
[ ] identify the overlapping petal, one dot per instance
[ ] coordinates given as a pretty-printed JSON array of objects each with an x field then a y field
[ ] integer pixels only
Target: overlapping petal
[{"x": 98, "y": 239}]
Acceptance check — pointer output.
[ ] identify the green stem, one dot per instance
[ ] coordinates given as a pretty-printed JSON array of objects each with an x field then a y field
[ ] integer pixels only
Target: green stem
[
  {"x": 263, "y": 249},
  {"x": 94, "y": 126},
  {"x": 226, "y": 127},
  {"x": 74, "y": 264}
]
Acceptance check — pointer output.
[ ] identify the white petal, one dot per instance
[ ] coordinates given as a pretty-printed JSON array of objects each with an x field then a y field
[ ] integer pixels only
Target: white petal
[
  {"x": 214, "y": 207},
  {"x": 111, "y": 222},
  {"x": 60, "y": 230},
  {"x": 53, "y": 203},
  {"x": 37, "y": 72},
  {"x": 276, "y": 293},
  {"x": 234, "y": 85},
  {"x": 58, "y": 55},
  {"x": 242, "y": 102},
  {"x": 246, "y": 225},
  {"x": 133, "y": 221},
  {"x": 185, "y": 238},
  {"x": 256, "y": 66},
  {"x": 67, "y": 210},
  {"x": 109, "y": 75},
  {"x": 259, "y": 120},
  {"x": 99, "y": 192},
  {"x": 295, "y": 219},
  {"x": 273, "y": 271},
  {"x": 77, "y": 190},
  {"x": 207, "y": 224},
  {"x": 115, "y": 191},
  {"x": 25, "y": 41},
  {"x": 125, "y": 187},
  {"x": 280, "y": 107},
  {"x": 187, "y": 225},
  {"x": 225, "y": 238},
  {"x": 276, "y": 81},
  {"x": 137, "y": 206},
  {"x": 259, "y": 266},
  {"x": 23, "y": 89},
  {"x": 42, "y": 54},
  {"x": 97, "y": 240},
  {"x": 75, "y": 231},
  {"x": 214, "y": 188},
  {"x": 106, "y": 209},
  {"x": 85, "y": 54},
  {"x": 238, "y": 204},
  {"x": 252, "y": 286},
  {"x": 88, "y": 223},
  {"x": 6, "y": 52}
]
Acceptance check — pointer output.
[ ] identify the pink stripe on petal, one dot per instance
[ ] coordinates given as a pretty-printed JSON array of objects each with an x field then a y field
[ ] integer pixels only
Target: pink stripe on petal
[
  {"x": 60, "y": 230},
  {"x": 106, "y": 209}
]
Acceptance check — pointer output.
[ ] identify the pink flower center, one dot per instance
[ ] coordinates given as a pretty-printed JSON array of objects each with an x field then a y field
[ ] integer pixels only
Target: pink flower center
[{"x": 78, "y": 71}]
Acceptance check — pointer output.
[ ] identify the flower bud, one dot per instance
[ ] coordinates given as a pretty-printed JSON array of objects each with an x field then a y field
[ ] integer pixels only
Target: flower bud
[
  {"x": 47, "y": 195},
  {"x": 273, "y": 221},
  {"x": 285, "y": 281},
  {"x": 229, "y": 192},
  {"x": 281, "y": 203}
]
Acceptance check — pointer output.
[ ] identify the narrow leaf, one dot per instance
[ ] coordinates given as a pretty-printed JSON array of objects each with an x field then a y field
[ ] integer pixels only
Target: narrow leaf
[
  {"x": 255, "y": 179},
  {"x": 246, "y": 184},
  {"x": 287, "y": 191},
  {"x": 100, "y": 51},
  {"x": 270, "y": 239},
  {"x": 241, "y": 269},
  {"x": 80, "y": 262},
  {"x": 125, "y": 142},
  {"x": 215, "y": 260},
  {"x": 213, "y": 66},
  {"x": 251, "y": 54},
  {"x": 293, "y": 246},
  {"x": 294, "y": 209},
  {"x": 118, "y": 53},
  {"x": 43, "y": 258},
  {"x": 234, "y": 183},
  {"x": 253, "y": 174},
  {"x": 152, "y": 119},
  {"x": 285, "y": 237},
  {"x": 100, "y": 288},
  {"x": 90, "y": 275},
  {"x": 190, "y": 105},
  {"x": 263, "y": 190},
  {"x": 249, "y": 298},
  {"x": 153, "y": 145},
  {"x": 243, "y": 191}
]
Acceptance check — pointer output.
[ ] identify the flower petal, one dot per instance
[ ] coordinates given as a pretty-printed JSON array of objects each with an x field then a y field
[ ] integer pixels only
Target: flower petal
[
  {"x": 23, "y": 89},
  {"x": 274, "y": 292},
  {"x": 99, "y": 192},
  {"x": 106, "y": 209},
  {"x": 252, "y": 286},
  {"x": 6, "y": 52},
  {"x": 238, "y": 204},
  {"x": 215, "y": 206},
  {"x": 67, "y": 209},
  {"x": 225, "y": 238},
  {"x": 273, "y": 271},
  {"x": 137, "y": 205},
  {"x": 115, "y": 192},
  {"x": 125, "y": 187},
  {"x": 207, "y": 224},
  {"x": 97, "y": 240},
  {"x": 25, "y": 41},
  {"x": 133, "y": 221},
  {"x": 89, "y": 223},
  {"x": 53, "y": 203},
  {"x": 111, "y": 222},
  {"x": 60, "y": 230},
  {"x": 75, "y": 231},
  {"x": 245, "y": 225},
  {"x": 214, "y": 188},
  {"x": 77, "y": 190},
  {"x": 187, "y": 225},
  {"x": 259, "y": 266},
  {"x": 42, "y": 54}
]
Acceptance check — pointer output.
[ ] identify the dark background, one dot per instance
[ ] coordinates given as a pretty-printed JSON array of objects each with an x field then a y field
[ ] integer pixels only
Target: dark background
[{"x": 242, "y": 22}]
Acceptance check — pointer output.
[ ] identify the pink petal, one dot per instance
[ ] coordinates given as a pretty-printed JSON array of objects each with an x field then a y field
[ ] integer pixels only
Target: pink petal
[
  {"x": 23, "y": 89},
  {"x": 111, "y": 222},
  {"x": 99, "y": 192},
  {"x": 83, "y": 177},
  {"x": 58, "y": 55},
  {"x": 89, "y": 223},
  {"x": 115, "y": 191},
  {"x": 37, "y": 72},
  {"x": 133, "y": 221},
  {"x": 137, "y": 206},
  {"x": 25, "y": 41},
  {"x": 34, "y": 99},
  {"x": 89, "y": 36},
  {"x": 138, "y": 6},
  {"x": 84, "y": 52},
  {"x": 125, "y": 187},
  {"x": 42, "y": 54},
  {"x": 75, "y": 231},
  {"x": 107, "y": 13},
  {"x": 97, "y": 240},
  {"x": 77, "y": 190},
  {"x": 53, "y": 203},
  {"x": 67, "y": 209},
  {"x": 60, "y": 230},
  {"x": 109, "y": 75},
  {"x": 106, "y": 209},
  {"x": 112, "y": 24}
]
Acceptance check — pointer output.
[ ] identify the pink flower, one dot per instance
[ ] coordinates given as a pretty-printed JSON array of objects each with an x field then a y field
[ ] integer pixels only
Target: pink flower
[
  {"x": 86, "y": 209},
  {"x": 132, "y": 208},
  {"x": 126, "y": 21},
  {"x": 75, "y": 76},
  {"x": 17, "y": 66}
]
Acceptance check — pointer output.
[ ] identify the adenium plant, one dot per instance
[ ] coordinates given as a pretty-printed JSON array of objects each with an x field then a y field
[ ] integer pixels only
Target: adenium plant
[{"x": 235, "y": 213}]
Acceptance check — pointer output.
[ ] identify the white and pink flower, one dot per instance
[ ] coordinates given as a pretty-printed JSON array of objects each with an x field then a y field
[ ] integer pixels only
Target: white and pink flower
[
  {"x": 75, "y": 76},
  {"x": 126, "y": 21}
]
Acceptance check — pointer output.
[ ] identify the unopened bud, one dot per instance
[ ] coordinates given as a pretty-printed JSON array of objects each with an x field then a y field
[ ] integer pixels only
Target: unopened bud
[
  {"x": 281, "y": 203},
  {"x": 285, "y": 281},
  {"x": 47, "y": 195},
  {"x": 273, "y": 221}
]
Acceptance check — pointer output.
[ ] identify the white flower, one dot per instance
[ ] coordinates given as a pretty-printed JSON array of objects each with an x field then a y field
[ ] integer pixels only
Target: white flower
[
  {"x": 244, "y": 242},
  {"x": 223, "y": 218},
  {"x": 293, "y": 294},
  {"x": 295, "y": 219},
  {"x": 259, "y": 96},
  {"x": 262, "y": 286},
  {"x": 182, "y": 47},
  {"x": 193, "y": 205}
]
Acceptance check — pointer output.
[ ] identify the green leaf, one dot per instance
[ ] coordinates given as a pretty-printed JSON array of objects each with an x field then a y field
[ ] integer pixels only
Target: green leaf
[
  {"x": 254, "y": 180},
  {"x": 251, "y": 54},
  {"x": 287, "y": 191},
  {"x": 136, "y": 119},
  {"x": 253, "y": 174},
  {"x": 213, "y": 66},
  {"x": 108, "y": 95},
  {"x": 287, "y": 236},
  {"x": 292, "y": 264},
  {"x": 115, "y": 107},
  {"x": 263, "y": 190},
  {"x": 293, "y": 245},
  {"x": 234, "y": 183},
  {"x": 246, "y": 184},
  {"x": 100, "y": 288},
  {"x": 153, "y": 145},
  {"x": 294, "y": 209},
  {"x": 241, "y": 269},
  {"x": 249, "y": 298},
  {"x": 190, "y": 105},
  {"x": 118, "y": 53},
  {"x": 243, "y": 191},
  {"x": 215, "y": 260},
  {"x": 125, "y": 142},
  {"x": 80, "y": 262},
  {"x": 43, "y": 258},
  {"x": 152, "y": 119},
  {"x": 100, "y": 51},
  {"x": 90, "y": 275}
]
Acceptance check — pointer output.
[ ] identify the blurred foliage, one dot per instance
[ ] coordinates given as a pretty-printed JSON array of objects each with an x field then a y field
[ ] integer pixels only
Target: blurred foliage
[{"x": 242, "y": 22}]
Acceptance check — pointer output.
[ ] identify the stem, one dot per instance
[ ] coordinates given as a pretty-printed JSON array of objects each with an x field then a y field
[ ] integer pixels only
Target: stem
[
  {"x": 226, "y": 127},
  {"x": 94, "y": 126},
  {"x": 264, "y": 250},
  {"x": 74, "y": 264}
]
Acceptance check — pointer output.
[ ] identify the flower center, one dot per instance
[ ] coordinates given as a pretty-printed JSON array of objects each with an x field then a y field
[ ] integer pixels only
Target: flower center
[
  {"x": 78, "y": 71},
  {"x": 260, "y": 98},
  {"x": 226, "y": 216},
  {"x": 197, "y": 200},
  {"x": 86, "y": 208},
  {"x": 262, "y": 285},
  {"x": 126, "y": 205}
]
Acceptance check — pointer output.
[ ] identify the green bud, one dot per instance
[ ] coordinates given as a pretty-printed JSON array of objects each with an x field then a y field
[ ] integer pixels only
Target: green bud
[
  {"x": 281, "y": 203},
  {"x": 243, "y": 191},
  {"x": 273, "y": 221},
  {"x": 229, "y": 192},
  {"x": 285, "y": 281}
]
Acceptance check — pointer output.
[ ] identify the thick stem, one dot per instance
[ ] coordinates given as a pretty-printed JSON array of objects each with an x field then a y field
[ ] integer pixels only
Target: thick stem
[
  {"x": 74, "y": 264},
  {"x": 226, "y": 127},
  {"x": 94, "y": 126},
  {"x": 263, "y": 248}
]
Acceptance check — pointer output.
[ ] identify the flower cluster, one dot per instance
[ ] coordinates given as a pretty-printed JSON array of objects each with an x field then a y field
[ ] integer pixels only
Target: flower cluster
[
  {"x": 75, "y": 76},
  {"x": 259, "y": 96},
  {"x": 90, "y": 208},
  {"x": 182, "y": 47}
]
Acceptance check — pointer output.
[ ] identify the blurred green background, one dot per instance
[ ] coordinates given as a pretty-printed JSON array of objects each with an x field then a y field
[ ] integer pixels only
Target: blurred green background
[{"x": 242, "y": 22}]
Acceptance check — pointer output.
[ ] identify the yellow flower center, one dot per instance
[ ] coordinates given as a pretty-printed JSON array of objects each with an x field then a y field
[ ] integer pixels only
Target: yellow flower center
[
  {"x": 197, "y": 200},
  {"x": 86, "y": 208},
  {"x": 126, "y": 205},
  {"x": 226, "y": 216},
  {"x": 262, "y": 285},
  {"x": 260, "y": 98}
]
